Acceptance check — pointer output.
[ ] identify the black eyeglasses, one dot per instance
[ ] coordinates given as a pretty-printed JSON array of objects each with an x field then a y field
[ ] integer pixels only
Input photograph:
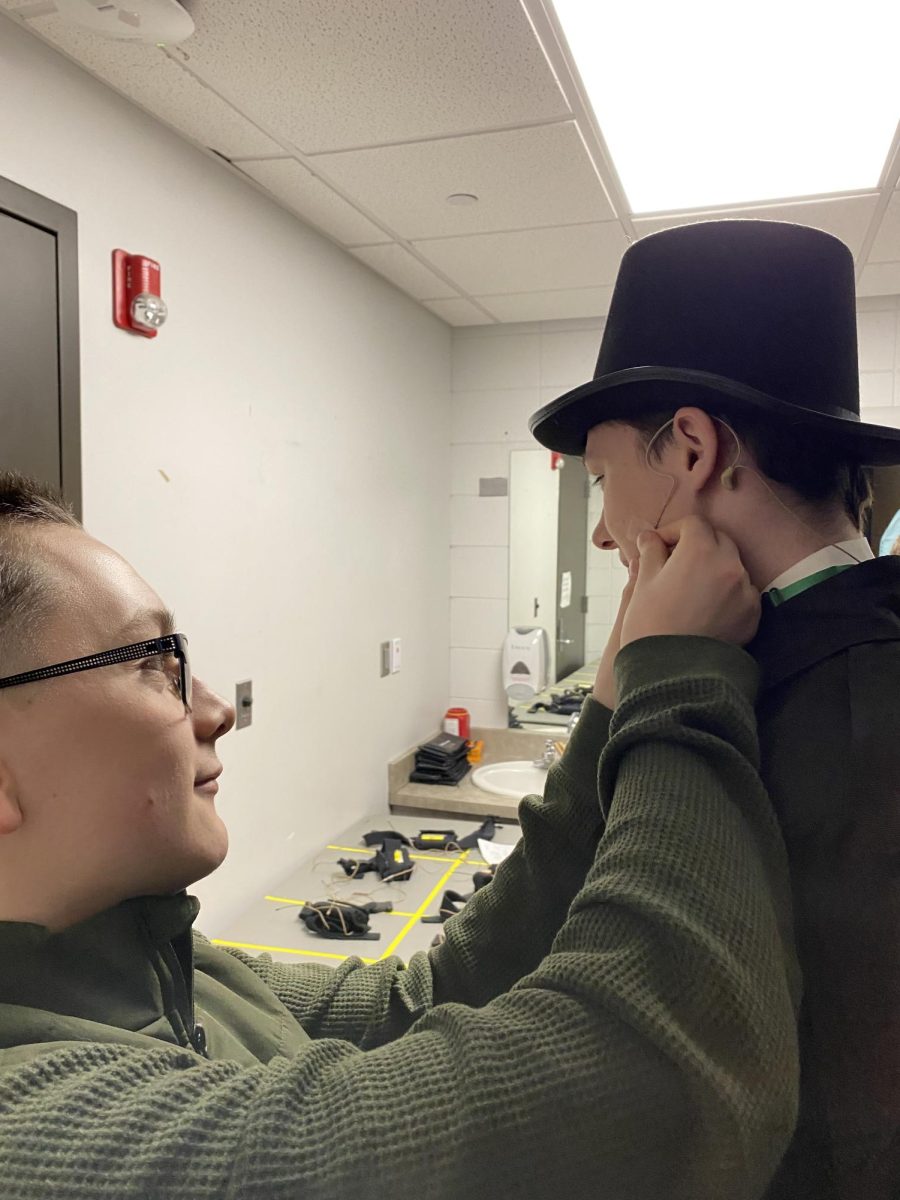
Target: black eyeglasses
[{"x": 173, "y": 643}]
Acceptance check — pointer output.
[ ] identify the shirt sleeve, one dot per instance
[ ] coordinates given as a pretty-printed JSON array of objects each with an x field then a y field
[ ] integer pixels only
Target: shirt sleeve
[{"x": 650, "y": 1053}]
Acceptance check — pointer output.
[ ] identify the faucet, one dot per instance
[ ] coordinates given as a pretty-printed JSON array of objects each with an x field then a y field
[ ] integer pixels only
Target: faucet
[{"x": 550, "y": 756}]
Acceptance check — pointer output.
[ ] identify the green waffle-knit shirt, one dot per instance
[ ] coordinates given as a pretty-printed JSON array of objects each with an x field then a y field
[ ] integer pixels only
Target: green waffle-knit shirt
[{"x": 612, "y": 1017}]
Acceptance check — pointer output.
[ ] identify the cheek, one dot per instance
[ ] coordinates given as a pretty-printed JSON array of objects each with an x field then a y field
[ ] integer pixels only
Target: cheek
[{"x": 119, "y": 747}]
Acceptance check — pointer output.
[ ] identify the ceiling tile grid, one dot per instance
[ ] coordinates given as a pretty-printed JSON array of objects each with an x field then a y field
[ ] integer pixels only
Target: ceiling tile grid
[
  {"x": 404, "y": 269},
  {"x": 457, "y": 311},
  {"x": 548, "y": 306},
  {"x": 304, "y": 194},
  {"x": 361, "y": 118},
  {"x": 571, "y": 256},
  {"x": 149, "y": 77},
  {"x": 522, "y": 178},
  {"x": 363, "y": 72}
]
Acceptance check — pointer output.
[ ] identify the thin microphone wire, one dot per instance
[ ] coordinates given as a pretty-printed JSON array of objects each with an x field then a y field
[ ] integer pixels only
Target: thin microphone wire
[{"x": 737, "y": 465}]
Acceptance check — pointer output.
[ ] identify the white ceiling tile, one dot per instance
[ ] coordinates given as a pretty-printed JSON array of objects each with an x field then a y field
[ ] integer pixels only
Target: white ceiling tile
[
  {"x": 522, "y": 177},
  {"x": 146, "y": 75},
  {"x": 549, "y": 306},
  {"x": 458, "y": 311},
  {"x": 310, "y": 198},
  {"x": 848, "y": 218},
  {"x": 886, "y": 247},
  {"x": 879, "y": 279},
  {"x": 572, "y": 256},
  {"x": 360, "y": 73},
  {"x": 401, "y": 268}
]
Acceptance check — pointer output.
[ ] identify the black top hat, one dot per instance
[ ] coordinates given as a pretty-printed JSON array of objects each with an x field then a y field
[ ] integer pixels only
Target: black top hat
[{"x": 749, "y": 316}]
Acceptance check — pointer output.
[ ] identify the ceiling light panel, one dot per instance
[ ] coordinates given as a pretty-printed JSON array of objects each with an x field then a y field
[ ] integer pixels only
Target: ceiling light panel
[{"x": 706, "y": 104}]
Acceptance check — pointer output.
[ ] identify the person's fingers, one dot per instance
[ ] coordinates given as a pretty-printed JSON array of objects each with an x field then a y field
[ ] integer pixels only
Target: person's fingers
[
  {"x": 653, "y": 554},
  {"x": 693, "y": 528}
]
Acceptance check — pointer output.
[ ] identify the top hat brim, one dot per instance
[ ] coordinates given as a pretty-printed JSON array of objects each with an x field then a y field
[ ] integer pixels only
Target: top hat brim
[{"x": 563, "y": 425}]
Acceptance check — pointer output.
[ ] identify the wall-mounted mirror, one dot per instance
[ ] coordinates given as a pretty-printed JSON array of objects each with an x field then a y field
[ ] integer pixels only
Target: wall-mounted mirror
[
  {"x": 557, "y": 579},
  {"x": 886, "y": 489}
]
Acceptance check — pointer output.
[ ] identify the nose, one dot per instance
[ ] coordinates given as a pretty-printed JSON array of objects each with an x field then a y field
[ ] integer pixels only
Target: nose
[
  {"x": 601, "y": 538},
  {"x": 213, "y": 716}
]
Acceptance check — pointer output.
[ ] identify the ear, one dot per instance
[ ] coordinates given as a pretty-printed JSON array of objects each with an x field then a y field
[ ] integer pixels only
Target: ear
[
  {"x": 698, "y": 442},
  {"x": 10, "y": 810}
]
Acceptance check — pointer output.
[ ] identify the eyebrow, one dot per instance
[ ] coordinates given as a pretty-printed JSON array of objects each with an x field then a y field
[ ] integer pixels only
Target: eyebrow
[{"x": 159, "y": 618}]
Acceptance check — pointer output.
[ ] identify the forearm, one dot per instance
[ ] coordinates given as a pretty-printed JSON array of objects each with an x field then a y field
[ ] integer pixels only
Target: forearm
[
  {"x": 501, "y": 934},
  {"x": 651, "y": 1053}
]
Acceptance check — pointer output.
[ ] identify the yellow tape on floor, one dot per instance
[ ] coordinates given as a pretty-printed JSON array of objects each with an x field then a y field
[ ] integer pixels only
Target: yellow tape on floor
[
  {"x": 424, "y": 905},
  {"x": 473, "y": 862}
]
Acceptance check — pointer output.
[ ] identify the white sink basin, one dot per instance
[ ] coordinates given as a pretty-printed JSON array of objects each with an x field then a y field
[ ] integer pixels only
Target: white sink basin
[{"x": 512, "y": 779}]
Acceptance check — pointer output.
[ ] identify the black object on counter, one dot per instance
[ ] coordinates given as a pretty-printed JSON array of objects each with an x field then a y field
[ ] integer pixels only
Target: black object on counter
[{"x": 442, "y": 760}]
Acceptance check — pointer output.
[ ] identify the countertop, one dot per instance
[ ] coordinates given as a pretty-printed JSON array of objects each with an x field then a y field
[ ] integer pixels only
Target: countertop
[{"x": 500, "y": 745}]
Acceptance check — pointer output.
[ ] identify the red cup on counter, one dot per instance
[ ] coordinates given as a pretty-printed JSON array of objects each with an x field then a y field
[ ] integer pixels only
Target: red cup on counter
[{"x": 456, "y": 721}]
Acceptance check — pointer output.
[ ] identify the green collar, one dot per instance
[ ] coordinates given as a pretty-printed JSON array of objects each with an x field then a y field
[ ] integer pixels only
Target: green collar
[{"x": 777, "y": 596}]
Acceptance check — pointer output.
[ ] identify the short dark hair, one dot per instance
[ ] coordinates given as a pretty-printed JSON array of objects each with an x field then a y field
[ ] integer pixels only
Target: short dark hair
[
  {"x": 25, "y": 592},
  {"x": 798, "y": 458}
]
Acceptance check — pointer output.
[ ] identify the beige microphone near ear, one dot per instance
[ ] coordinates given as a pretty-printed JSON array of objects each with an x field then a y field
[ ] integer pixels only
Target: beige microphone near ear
[{"x": 727, "y": 479}]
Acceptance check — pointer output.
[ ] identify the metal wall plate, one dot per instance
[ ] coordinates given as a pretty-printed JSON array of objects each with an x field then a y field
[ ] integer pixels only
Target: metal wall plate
[{"x": 243, "y": 703}]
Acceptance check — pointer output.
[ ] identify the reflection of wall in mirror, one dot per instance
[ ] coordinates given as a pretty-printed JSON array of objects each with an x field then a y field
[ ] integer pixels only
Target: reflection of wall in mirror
[{"x": 533, "y": 507}]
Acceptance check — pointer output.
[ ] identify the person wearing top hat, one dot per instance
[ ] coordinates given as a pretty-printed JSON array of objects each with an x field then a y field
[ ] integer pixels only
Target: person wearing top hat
[{"x": 727, "y": 387}]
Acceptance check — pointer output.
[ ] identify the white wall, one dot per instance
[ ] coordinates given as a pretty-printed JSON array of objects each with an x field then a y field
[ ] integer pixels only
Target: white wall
[
  {"x": 501, "y": 375},
  {"x": 299, "y": 406}
]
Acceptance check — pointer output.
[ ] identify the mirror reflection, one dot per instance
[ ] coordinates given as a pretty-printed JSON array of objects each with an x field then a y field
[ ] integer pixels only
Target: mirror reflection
[{"x": 561, "y": 588}]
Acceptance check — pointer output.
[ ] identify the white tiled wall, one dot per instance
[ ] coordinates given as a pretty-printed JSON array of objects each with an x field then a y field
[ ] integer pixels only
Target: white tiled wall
[
  {"x": 501, "y": 375},
  {"x": 879, "y": 357}
]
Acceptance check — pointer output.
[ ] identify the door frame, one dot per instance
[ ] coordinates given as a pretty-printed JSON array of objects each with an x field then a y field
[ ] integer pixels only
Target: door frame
[{"x": 25, "y": 205}]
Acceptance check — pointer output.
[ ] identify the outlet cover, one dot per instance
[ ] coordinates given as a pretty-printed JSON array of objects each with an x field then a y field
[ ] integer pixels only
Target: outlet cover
[
  {"x": 243, "y": 704},
  {"x": 395, "y": 656}
]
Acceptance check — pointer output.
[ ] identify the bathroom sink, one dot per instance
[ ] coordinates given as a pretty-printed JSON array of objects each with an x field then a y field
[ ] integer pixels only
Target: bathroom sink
[{"x": 514, "y": 779}]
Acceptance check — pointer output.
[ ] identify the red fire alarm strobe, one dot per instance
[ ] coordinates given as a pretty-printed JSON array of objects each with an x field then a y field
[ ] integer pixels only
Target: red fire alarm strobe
[{"x": 137, "y": 303}]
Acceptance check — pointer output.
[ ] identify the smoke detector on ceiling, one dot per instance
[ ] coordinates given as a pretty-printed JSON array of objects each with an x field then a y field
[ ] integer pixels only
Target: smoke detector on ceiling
[{"x": 154, "y": 21}]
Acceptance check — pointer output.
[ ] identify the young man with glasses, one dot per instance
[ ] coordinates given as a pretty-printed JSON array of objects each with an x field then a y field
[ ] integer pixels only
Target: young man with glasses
[{"x": 611, "y": 1015}]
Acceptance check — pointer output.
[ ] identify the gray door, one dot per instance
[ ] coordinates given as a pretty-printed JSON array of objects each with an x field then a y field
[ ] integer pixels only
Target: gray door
[
  {"x": 39, "y": 341},
  {"x": 571, "y": 566},
  {"x": 29, "y": 352}
]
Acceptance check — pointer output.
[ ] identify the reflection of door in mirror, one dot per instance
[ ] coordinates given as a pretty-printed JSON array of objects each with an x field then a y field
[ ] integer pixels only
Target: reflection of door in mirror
[
  {"x": 547, "y": 538},
  {"x": 570, "y": 567},
  {"x": 533, "y": 534},
  {"x": 886, "y": 489}
]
